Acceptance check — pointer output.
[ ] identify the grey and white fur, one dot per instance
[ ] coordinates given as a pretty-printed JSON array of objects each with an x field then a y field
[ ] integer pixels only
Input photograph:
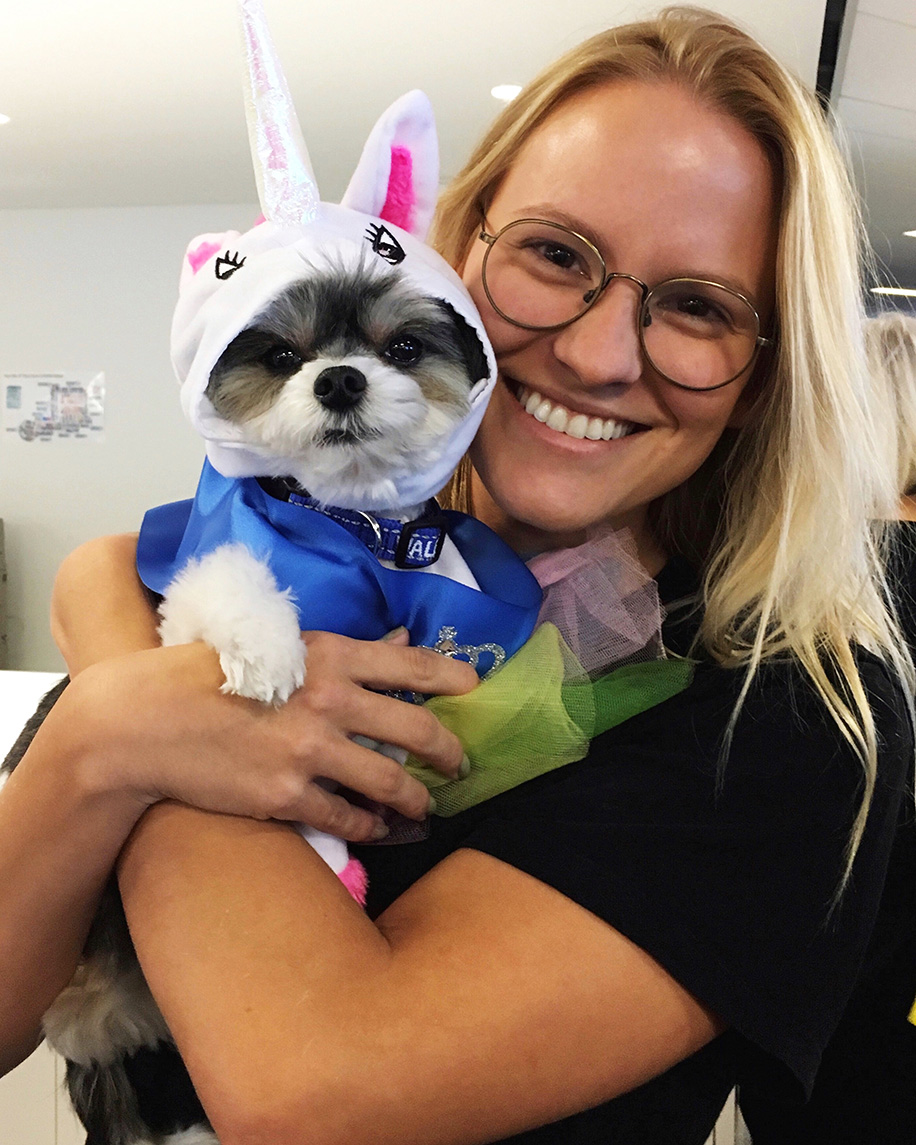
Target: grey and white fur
[{"x": 345, "y": 378}]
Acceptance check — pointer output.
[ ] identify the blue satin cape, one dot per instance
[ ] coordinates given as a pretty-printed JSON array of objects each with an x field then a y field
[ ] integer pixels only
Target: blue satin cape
[{"x": 339, "y": 585}]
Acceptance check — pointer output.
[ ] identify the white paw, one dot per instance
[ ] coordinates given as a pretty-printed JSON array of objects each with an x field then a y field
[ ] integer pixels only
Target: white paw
[
  {"x": 270, "y": 674},
  {"x": 230, "y": 600}
]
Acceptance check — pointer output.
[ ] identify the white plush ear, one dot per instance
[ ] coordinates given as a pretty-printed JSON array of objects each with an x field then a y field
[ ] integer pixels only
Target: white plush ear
[{"x": 397, "y": 177}]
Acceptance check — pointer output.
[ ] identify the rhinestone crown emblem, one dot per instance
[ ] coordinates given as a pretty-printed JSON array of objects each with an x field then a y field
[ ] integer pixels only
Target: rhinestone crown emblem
[{"x": 447, "y": 645}]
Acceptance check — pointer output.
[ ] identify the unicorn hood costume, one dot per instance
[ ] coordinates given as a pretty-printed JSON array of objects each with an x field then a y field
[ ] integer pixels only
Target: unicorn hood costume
[{"x": 382, "y": 220}]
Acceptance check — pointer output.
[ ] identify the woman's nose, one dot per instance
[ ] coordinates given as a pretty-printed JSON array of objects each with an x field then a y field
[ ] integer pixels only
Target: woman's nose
[{"x": 602, "y": 347}]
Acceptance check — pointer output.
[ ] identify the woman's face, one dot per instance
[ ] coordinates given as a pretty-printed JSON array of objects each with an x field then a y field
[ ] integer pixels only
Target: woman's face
[{"x": 665, "y": 187}]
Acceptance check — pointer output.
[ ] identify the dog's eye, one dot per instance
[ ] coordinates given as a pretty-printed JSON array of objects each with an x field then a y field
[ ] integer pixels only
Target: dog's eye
[
  {"x": 282, "y": 360},
  {"x": 404, "y": 350}
]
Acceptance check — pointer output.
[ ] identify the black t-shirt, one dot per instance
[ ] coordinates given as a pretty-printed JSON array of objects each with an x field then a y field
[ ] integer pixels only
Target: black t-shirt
[
  {"x": 865, "y": 1090},
  {"x": 724, "y": 871}
]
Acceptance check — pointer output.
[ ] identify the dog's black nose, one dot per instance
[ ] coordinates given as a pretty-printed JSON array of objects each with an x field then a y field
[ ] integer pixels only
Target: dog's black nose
[{"x": 340, "y": 387}]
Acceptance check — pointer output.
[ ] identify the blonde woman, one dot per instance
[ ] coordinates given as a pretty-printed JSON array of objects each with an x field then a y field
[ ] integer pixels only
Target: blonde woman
[{"x": 597, "y": 952}]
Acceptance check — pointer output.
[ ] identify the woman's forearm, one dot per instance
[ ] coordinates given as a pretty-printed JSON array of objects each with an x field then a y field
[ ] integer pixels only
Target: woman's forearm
[
  {"x": 449, "y": 1023},
  {"x": 99, "y": 608},
  {"x": 60, "y": 832}
]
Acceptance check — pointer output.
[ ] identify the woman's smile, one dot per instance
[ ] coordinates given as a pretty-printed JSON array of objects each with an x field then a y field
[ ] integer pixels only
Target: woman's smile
[
  {"x": 571, "y": 423},
  {"x": 553, "y": 424}
]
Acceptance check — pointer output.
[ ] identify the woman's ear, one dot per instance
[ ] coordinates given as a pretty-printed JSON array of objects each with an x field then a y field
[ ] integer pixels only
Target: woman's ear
[{"x": 397, "y": 177}]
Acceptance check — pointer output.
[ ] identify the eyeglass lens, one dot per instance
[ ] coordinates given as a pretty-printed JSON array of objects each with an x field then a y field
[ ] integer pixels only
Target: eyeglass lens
[{"x": 540, "y": 275}]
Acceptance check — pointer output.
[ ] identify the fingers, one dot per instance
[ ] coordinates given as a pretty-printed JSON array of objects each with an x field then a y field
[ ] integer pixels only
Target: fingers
[
  {"x": 378, "y": 778},
  {"x": 388, "y": 666},
  {"x": 334, "y": 697},
  {"x": 412, "y": 727},
  {"x": 325, "y": 811}
]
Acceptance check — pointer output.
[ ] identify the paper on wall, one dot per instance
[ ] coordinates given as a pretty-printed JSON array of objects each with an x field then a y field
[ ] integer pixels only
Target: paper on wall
[{"x": 65, "y": 406}]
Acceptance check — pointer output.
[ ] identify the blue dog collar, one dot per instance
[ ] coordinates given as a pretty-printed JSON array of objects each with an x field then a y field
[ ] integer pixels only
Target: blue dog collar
[{"x": 412, "y": 544}]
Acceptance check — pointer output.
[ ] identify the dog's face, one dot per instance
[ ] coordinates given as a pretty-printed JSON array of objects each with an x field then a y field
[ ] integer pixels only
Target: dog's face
[{"x": 346, "y": 378}]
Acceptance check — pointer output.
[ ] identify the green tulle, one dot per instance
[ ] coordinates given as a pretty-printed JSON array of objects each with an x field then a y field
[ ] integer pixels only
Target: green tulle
[{"x": 538, "y": 713}]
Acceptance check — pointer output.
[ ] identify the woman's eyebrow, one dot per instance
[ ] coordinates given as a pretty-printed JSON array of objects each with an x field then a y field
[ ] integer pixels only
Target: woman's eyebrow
[
  {"x": 735, "y": 284},
  {"x": 549, "y": 212}
]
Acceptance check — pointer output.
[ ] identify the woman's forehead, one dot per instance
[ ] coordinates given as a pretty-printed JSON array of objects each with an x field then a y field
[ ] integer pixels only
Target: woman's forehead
[{"x": 651, "y": 175}]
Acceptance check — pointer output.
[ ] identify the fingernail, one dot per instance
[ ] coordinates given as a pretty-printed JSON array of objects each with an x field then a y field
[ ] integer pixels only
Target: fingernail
[
  {"x": 395, "y": 633},
  {"x": 465, "y": 769},
  {"x": 379, "y": 829},
  {"x": 433, "y": 806}
]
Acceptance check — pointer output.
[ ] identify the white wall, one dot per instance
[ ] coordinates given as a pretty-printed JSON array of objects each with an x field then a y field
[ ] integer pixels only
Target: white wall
[{"x": 92, "y": 290}]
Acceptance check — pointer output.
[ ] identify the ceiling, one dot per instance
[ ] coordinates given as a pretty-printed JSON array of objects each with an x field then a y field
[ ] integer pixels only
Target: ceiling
[{"x": 137, "y": 102}]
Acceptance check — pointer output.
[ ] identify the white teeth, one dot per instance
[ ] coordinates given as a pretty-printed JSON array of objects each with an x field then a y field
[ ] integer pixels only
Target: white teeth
[
  {"x": 578, "y": 425},
  {"x": 543, "y": 411}
]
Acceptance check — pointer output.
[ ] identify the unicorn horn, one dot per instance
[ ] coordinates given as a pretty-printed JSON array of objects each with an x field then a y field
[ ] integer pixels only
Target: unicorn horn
[{"x": 286, "y": 183}]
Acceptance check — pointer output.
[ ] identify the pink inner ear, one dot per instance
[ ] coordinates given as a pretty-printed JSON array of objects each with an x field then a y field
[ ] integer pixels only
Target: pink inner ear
[
  {"x": 401, "y": 200},
  {"x": 199, "y": 255}
]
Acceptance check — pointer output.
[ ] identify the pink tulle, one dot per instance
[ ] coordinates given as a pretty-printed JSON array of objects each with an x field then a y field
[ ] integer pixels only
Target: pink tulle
[
  {"x": 355, "y": 879},
  {"x": 602, "y": 600}
]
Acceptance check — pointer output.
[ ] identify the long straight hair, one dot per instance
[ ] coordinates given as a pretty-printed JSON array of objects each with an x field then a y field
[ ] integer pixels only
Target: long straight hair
[{"x": 784, "y": 517}]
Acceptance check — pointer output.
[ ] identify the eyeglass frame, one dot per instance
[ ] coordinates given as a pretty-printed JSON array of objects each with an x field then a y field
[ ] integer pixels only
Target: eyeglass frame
[{"x": 760, "y": 342}]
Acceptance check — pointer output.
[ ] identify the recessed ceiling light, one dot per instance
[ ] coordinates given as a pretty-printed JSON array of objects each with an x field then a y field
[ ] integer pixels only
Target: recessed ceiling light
[
  {"x": 505, "y": 91},
  {"x": 4, "y": 119},
  {"x": 896, "y": 291}
]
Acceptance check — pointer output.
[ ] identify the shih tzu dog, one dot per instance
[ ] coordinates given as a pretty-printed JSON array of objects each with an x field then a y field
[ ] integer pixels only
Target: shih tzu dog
[{"x": 337, "y": 370}]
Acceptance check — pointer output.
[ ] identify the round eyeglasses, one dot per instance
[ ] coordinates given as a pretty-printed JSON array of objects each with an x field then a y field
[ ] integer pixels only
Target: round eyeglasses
[{"x": 697, "y": 334}]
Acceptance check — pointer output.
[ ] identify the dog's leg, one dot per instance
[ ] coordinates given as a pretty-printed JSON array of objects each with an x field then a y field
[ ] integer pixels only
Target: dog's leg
[{"x": 230, "y": 600}]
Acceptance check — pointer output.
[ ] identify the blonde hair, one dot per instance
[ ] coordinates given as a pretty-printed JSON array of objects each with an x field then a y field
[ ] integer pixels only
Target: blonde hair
[
  {"x": 806, "y": 479},
  {"x": 890, "y": 349}
]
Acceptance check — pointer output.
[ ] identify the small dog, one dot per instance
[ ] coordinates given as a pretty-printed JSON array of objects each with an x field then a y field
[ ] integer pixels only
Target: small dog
[
  {"x": 344, "y": 380},
  {"x": 337, "y": 371}
]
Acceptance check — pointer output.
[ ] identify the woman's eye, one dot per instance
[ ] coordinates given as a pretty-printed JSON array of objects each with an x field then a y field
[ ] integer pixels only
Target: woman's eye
[
  {"x": 559, "y": 255},
  {"x": 696, "y": 307},
  {"x": 282, "y": 360},
  {"x": 693, "y": 309},
  {"x": 556, "y": 254},
  {"x": 404, "y": 350}
]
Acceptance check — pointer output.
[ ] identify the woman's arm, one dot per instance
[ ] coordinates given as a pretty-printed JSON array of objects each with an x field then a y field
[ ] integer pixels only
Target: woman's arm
[
  {"x": 139, "y": 724},
  {"x": 484, "y": 1002},
  {"x": 99, "y": 608},
  {"x": 59, "y": 836}
]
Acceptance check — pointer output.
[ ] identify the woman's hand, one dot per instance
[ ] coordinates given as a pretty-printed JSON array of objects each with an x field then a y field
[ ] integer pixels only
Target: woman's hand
[
  {"x": 176, "y": 737},
  {"x": 164, "y": 731}
]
